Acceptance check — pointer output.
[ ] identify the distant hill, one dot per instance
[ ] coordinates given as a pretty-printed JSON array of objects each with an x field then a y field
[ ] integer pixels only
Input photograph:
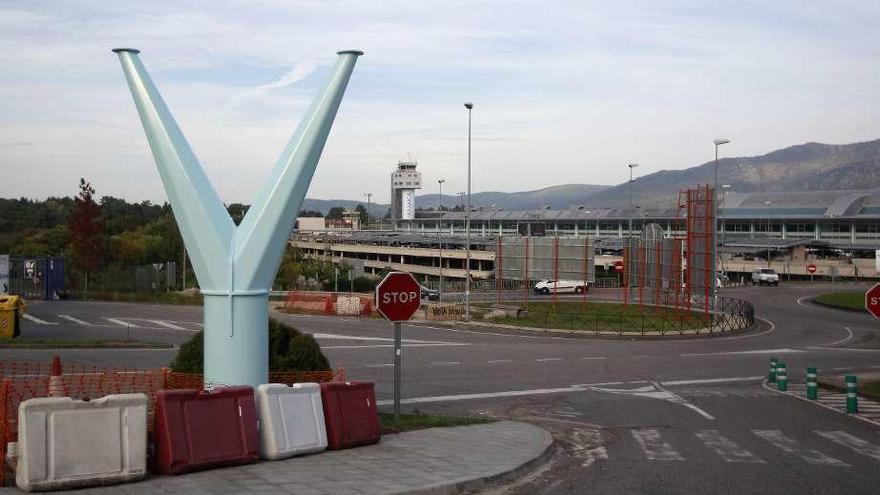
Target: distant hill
[
  {"x": 805, "y": 167},
  {"x": 554, "y": 196},
  {"x": 324, "y": 205}
]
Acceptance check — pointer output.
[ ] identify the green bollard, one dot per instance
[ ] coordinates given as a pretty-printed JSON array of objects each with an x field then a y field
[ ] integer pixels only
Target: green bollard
[
  {"x": 771, "y": 378},
  {"x": 812, "y": 384},
  {"x": 852, "y": 394},
  {"x": 781, "y": 377}
]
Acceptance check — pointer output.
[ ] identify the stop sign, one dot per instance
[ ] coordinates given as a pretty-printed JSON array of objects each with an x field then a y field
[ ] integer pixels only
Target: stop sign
[
  {"x": 398, "y": 296},
  {"x": 811, "y": 268},
  {"x": 872, "y": 301}
]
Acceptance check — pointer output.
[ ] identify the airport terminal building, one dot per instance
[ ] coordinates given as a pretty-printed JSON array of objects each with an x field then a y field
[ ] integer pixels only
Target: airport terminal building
[{"x": 837, "y": 230}]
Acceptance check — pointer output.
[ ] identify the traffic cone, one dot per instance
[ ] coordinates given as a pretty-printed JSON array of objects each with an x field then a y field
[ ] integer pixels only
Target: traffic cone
[{"x": 57, "y": 388}]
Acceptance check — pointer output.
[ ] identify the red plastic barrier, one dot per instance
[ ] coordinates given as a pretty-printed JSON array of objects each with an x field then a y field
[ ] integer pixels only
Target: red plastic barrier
[
  {"x": 350, "y": 414},
  {"x": 199, "y": 429}
]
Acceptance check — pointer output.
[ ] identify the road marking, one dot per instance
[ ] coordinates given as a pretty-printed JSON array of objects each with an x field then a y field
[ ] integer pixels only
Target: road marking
[
  {"x": 735, "y": 353},
  {"x": 121, "y": 323},
  {"x": 654, "y": 448},
  {"x": 75, "y": 320},
  {"x": 544, "y": 360},
  {"x": 855, "y": 443},
  {"x": 383, "y": 346},
  {"x": 845, "y": 368},
  {"x": 726, "y": 448},
  {"x": 379, "y": 365},
  {"x": 655, "y": 391},
  {"x": 849, "y": 336},
  {"x": 791, "y": 446},
  {"x": 333, "y": 336},
  {"x": 172, "y": 326},
  {"x": 588, "y": 446},
  {"x": 37, "y": 320},
  {"x": 673, "y": 383},
  {"x": 800, "y": 301},
  {"x": 499, "y": 361},
  {"x": 589, "y": 358},
  {"x": 850, "y": 349},
  {"x": 445, "y": 363}
]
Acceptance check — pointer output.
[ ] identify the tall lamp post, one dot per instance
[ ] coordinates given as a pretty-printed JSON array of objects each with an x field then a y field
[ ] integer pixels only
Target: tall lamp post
[
  {"x": 631, "y": 167},
  {"x": 767, "y": 204},
  {"x": 440, "y": 234},
  {"x": 724, "y": 188},
  {"x": 369, "y": 196},
  {"x": 467, "y": 224},
  {"x": 718, "y": 142}
]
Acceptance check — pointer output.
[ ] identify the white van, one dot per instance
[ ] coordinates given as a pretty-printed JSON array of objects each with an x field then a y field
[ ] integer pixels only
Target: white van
[{"x": 561, "y": 286}]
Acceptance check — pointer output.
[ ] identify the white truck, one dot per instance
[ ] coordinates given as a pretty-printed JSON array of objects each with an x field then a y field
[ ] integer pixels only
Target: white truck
[
  {"x": 765, "y": 276},
  {"x": 561, "y": 286}
]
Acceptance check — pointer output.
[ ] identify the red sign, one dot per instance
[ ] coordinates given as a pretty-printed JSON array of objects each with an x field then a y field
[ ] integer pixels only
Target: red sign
[
  {"x": 398, "y": 296},
  {"x": 872, "y": 301},
  {"x": 618, "y": 266},
  {"x": 811, "y": 268}
]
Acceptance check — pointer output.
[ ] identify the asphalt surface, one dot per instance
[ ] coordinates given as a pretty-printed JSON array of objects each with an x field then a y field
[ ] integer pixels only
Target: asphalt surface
[{"x": 631, "y": 416}]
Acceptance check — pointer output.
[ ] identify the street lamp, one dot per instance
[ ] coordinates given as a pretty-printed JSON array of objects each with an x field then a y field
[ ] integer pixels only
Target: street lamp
[
  {"x": 467, "y": 224},
  {"x": 440, "y": 234},
  {"x": 718, "y": 142},
  {"x": 767, "y": 204},
  {"x": 369, "y": 196},
  {"x": 631, "y": 167}
]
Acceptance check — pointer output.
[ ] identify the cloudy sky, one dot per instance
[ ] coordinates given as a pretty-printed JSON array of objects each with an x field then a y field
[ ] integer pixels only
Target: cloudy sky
[{"x": 564, "y": 92}]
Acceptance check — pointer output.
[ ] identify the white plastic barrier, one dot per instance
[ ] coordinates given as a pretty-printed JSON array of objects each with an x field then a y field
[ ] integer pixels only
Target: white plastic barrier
[
  {"x": 291, "y": 420},
  {"x": 64, "y": 443}
]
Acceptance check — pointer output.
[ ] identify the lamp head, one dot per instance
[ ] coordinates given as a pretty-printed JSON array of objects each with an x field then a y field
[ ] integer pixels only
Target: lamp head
[
  {"x": 469, "y": 105},
  {"x": 633, "y": 165},
  {"x": 720, "y": 141}
]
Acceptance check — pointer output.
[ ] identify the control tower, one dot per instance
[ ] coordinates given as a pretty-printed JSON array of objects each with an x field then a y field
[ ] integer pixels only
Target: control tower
[{"x": 404, "y": 182}]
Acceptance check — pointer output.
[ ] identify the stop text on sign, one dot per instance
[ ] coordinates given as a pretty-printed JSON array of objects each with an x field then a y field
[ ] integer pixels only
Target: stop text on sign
[{"x": 400, "y": 297}]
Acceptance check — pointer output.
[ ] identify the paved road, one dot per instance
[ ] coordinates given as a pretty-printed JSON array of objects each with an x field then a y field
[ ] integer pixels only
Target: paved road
[{"x": 686, "y": 415}]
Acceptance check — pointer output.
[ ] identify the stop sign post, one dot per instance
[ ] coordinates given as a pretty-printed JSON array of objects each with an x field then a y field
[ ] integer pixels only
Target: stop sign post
[
  {"x": 811, "y": 269},
  {"x": 398, "y": 297},
  {"x": 872, "y": 301}
]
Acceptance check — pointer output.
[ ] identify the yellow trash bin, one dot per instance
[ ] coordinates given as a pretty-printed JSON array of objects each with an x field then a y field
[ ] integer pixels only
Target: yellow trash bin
[{"x": 10, "y": 309}]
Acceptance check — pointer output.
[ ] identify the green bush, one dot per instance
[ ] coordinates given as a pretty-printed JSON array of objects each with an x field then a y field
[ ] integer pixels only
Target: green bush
[{"x": 289, "y": 350}]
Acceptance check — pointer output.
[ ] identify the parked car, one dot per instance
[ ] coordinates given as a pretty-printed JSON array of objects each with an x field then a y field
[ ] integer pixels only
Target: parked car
[
  {"x": 561, "y": 286},
  {"x": 430, "y": 294},
  {"x": 765, "y": 276}
]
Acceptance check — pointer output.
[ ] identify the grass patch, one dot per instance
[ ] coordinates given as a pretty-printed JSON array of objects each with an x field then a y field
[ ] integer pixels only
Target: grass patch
[
  {"x": 852, "y": 300},
  {"x": 601, "y": 316},
  {"x": 80, "y": 343},
  {"x": 871, "y": 388},
  {"x": 146, "y": 297},
  {"x": 420, "y": 421}
]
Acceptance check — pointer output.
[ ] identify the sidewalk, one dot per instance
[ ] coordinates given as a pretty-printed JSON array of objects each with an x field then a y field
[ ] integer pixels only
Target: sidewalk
[
  {"x": 433, "y": 461},
  {"x": 869, "y": 410}
]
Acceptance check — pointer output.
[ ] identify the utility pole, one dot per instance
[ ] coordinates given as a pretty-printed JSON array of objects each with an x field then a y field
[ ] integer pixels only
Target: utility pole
[
  {"x": 440, "y": 235},
  {"x": 631, "y": 167},
  {"x": 467, "y": 224},
  {"x": 369, "y": 196},
  {"x": 714, "y": 268}
]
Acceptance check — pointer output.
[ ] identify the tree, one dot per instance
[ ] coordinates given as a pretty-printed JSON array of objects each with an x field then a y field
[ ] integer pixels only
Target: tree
[
  {"x": 363, "y": 216},
  {"x": 85, "y": 226},
  {"x": 310, "y": 213},
  {"x": 335, "y": 213}
]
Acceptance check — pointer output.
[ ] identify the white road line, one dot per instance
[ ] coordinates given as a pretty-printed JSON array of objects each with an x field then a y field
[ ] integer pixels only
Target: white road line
[
  {"x": 172, "y": 326},
  {"x": 383, "y": 346},
  {"x": 673, "y": 383},
  {"x": 122, "y": 323},
  {"x": 445, "y": 363},
  {"x": 37, "y": 320},
  {"x": 75, "y": 320},
  {"x": 333, "y": 336},
  {"x": 849, "y": 335},
  {"x": 654, "y": 448},
  {"x": 791, "y": 446},
  {"x": 379, "y": 365},
  {"x": 845, "y": 368},
  {"x": 588, "y": 446},
  {"x": 736, "y": 353},
  {"x": 726, "y": 448},
  {"x": 499, "y": 361},
  {"x": 849, "y": 349},
  {"x": 855, "y": 443},
  {"x": 875, "y": 367},
  {"x": 748, "y": 336},
  {"x": 800, "y": 301},
  {"x": 590, "y": 358},
  {"x": 544, "y": 360}
]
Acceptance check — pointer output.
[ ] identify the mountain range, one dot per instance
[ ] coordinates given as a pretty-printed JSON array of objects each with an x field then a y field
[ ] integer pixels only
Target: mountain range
[{"x": 805, "y": 167}]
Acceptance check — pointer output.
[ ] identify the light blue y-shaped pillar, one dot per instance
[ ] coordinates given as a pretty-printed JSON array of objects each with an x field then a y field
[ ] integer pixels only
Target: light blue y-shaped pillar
[{"x": 235, "y": 265}]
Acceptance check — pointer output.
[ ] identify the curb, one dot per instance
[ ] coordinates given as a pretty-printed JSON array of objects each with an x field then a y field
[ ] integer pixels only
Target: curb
[
  {"x": 611, "y": 335},
  {"x": 477, "y": 484},
  {"x": 767, "y": 386}
]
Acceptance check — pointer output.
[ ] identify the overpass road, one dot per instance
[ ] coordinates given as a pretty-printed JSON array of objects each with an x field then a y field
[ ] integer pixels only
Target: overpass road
[{"x": 630, "y": 416}]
